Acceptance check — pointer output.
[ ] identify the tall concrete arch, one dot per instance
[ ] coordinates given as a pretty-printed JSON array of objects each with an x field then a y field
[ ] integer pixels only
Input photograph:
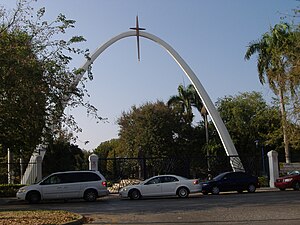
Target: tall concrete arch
[{"x": 214, "y": 114}]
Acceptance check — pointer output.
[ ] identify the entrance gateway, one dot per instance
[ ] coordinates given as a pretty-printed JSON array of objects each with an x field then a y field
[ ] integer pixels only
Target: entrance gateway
[
  {"x": 228, "y": 145},
  {"x": 30, "y": 174}
]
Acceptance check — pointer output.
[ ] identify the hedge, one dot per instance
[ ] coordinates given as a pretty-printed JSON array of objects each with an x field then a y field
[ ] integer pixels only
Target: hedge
[{"x": 9, "y": 190}]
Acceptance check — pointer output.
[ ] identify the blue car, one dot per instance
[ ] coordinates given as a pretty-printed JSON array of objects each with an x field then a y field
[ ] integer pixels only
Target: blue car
[{"x": 231, "y": 181}]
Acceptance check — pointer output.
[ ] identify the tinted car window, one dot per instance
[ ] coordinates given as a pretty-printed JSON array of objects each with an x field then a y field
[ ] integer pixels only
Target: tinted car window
[
  {"x": 232, "y": 176},
  {"x": 153, "y": 181},
  {"x": 168, "y": 179},
  {"x": 55, "y": 179},
  {"x": 80, "y": 177},
  {"x": 84, "y": 177},
  {"x": 70, "y": 178}
]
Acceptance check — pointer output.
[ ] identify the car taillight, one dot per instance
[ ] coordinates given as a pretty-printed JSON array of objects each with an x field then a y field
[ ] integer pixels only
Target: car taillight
[
  {"x": 104, "y": 183},
  {"x": 196, "y": 182}
]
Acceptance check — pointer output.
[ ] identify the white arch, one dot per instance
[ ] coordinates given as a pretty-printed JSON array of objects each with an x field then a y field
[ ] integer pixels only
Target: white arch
[{"x": 222, "y": 130}]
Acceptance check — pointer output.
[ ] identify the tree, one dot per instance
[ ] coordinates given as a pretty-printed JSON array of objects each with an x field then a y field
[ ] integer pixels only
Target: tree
[
  {"x": 63, "y": 156},
  {"x": 23, "y": 93},
  {"x": 160, "y": 132},
  {"x": 198, "y": 104},
  {"x": 106, "y": 150},
  {"x": 275, "y": 64},
  {"x": 248, "y": 118},
  {"x": 188, "y": 98},
  {"x": 33, "y": 50},
  {"x": 151, "y": 127},
  {"x": 182, "y": 102}
]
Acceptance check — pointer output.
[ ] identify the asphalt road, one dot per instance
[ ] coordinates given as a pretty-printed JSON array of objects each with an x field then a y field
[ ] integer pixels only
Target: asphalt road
[{"x": 263, "y": 207}]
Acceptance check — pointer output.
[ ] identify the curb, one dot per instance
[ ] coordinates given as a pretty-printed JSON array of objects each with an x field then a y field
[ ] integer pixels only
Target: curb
[
  {"x": 6, "y": 200},
  {"x": 79, "y": 221}
]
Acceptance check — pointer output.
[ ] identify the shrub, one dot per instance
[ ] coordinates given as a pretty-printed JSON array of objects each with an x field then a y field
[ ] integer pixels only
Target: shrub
[
  {"x": 264, "y": 181},
  {"x": 9, "y": 190}
]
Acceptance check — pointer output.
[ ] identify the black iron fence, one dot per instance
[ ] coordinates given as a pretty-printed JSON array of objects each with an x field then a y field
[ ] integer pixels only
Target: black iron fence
[
  {"x": 118, "y": 168},
  {"x": 190, "y": 167},
  {"x": 17, "y": 171}
]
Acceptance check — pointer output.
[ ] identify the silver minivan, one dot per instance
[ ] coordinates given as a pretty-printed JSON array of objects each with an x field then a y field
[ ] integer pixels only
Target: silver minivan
[{"x": 88, "y": 185}]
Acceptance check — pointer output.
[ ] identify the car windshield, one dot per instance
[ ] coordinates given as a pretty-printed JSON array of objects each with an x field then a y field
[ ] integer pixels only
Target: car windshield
[
  {"x": 296, "y": 172},
  {"x": 219, "y": 177}
]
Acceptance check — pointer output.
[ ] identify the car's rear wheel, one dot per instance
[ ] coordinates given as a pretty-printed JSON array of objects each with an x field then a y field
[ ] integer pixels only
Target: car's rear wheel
[
  {"x": 135, "y": 194},
  {"x": 183, "y": 192},
  {"x": 296, "y": 186},
  {"x": 282, "y": 189},
  {"x": 240, "y": 191},
  {"x": 215, "y": 190},
  {"x": 251, "y": 188},
  {"x": 33, "y": 197},
  {"x": 90, "y": 195}
]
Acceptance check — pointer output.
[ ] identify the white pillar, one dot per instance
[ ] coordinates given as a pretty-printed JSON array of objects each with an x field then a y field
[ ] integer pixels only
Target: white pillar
[
  {"x": 9, "y": 167},
  {"x": 93, "y": 162},
  {"x": 21, "y": 167},
  {"x": 273, "y": 167},
  {"x": 39, "y": 161}
]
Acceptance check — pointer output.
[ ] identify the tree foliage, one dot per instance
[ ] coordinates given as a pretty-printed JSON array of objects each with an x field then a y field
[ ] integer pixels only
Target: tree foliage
[
  {"x": 158, "y": 131},
  {"x": 63, "y": 156},
  {"x": 248, "y": 118},
  {"x": 23, "y": 92},
  {"x": 182, "y": 103},
  {"x": 151, "y": 127},
  {"x": 277, "y": 62},
  {"x": 35, "y": 75}
]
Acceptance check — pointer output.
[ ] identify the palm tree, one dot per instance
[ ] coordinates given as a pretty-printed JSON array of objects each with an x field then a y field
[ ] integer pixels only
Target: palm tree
[
  {"x": 185, "y": 100},
  {"x": 273, "y": 64},
  {"x": 198, "y": 104},
  {"x": 182, "y": 102}
]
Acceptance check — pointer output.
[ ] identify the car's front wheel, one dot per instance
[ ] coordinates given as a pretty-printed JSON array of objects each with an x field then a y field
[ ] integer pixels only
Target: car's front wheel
[
  {"x": 183, "y": 192},
  {"x": 33, "y": 197},
  {"x": 296, "y": 186},
  {"x": 215, "y": 190},
  {"x": 251, "y": 188},
  {"x": 135, "y": 194},
  {"x": 90, "y": 195}
]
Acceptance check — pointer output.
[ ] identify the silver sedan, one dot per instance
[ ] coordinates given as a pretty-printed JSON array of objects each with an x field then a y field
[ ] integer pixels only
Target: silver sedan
[{"x": 162, "y": 185}]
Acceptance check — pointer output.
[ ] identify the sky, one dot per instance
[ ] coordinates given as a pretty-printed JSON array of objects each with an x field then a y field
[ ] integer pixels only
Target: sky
[{"x": 211, "y": 36}]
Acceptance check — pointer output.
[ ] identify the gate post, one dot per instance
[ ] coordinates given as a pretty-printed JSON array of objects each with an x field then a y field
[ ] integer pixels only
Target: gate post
[
  {"x": 273, "y": 167},
  {"x": 10, "y": 174},
  {"x": 39, "y": 160},
  {"x": 93, "y": 162}
]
